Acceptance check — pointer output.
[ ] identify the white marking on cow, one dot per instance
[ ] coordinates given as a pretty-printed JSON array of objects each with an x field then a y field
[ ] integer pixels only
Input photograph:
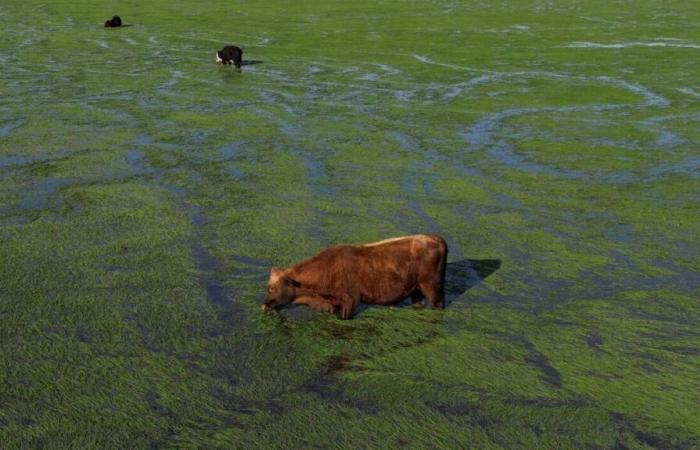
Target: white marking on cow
[{"x": 386, "y": 241}]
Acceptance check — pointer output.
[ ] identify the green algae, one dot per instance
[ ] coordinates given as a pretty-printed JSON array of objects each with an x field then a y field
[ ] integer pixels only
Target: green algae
[{"x": 145, "y": 192}]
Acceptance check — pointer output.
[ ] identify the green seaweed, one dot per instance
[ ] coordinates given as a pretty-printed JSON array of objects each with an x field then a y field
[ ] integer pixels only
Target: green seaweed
[{"x": 145, "y": 193}]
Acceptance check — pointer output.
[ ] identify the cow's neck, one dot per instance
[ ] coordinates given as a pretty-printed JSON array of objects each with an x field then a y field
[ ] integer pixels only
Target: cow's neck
[{"x": 311, "y": 292}]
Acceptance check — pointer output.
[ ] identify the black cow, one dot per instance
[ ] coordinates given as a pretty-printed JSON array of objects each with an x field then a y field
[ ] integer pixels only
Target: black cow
[
  {"x": 230, "y": 55},
  {"x": 115, "y": 21}
]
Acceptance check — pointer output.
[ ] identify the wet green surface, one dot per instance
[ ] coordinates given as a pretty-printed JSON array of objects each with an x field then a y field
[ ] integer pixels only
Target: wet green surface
[{"x": 145, "y": 192}]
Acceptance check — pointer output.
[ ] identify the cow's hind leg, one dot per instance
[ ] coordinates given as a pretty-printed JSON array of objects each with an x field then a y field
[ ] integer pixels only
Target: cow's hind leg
[
  {"x": 434, "y": 292},
  {"x": 417, "y": 298},
  {"x": 432, "y": 280}
]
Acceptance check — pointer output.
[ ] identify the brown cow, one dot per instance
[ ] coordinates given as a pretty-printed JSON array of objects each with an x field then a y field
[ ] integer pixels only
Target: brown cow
[{"x": 381, "y": 273}]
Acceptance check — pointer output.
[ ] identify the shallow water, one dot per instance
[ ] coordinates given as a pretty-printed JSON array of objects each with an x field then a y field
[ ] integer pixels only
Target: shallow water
[{"x": 145, "y": 192}]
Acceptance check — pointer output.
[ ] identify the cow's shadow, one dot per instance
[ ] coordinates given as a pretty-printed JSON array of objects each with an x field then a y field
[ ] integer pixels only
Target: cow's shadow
[
  {"x": 250, "y": 62},
  {"x": 460, "y": 276}
]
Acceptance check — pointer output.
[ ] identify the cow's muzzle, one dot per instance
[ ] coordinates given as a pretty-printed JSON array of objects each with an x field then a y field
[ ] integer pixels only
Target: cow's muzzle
[{"x": 269, "y": 304}]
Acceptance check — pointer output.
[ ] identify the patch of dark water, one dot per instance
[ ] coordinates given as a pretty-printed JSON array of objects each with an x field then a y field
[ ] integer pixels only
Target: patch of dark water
[
  {"x": 315, "y": 227},
  {"x": 543, "y": 402},
  {"x": 250, "y": 261},
  {"x": 689, "y": 167},
  {"x": 176, "y": 75},
  {"x": 368, "y": 77},
  {"x": 8, "y": 127},
  {"x": 427, "y": 223},
  {"x": 121, "y": 115},
  {"x": 232, "y": 150},
  {"x": 616, "y": 277},
  {"x": 506, "y": 155},
  {"x": 681, "y": 277},
  {"x": 135, "y": 159},
  {"x": 13, "y": 218},
  {"x": 665, "y": 138},
  {"x": 236, "y": 173},
  {"x": 317, "y": 178},
  {"x": 456, "y": 90},
  {"x": 44, "y": 192},
  {"x": 479, "y": 134},
  {"x": 231, "y": 313},
  {"x": 13, "y": 161},
  {"x": 617, "y": 232},
  {"x": 278, "y": 99},
  {"x": 595, "y": 341},
  {"x": 482, "y": 134},
  {"x": 627, "y": 427},
  {"x": 406, "y": 141},
  {"x": 218, "y": 293},
  {"x": 549, "y": 375},
  {"x": 143, "y": 139},
  {"x": 326, "y": 386},
  {"x": 199, "y": 219},
  {"x": 198, "y": 137},
  {"x": 118, "y": 95},
  {"x": 685, "y": 351},
  {"x": 404, "y": 96},
  {"x": 464, "y": 410},
  {"x": 650, "y": 99},
  {"x": 205, "y": 261}
]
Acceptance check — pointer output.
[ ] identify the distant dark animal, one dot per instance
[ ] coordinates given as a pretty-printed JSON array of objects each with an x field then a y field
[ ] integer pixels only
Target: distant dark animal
[
  {"x": 339, "y": 278},
  {"x": 115, "y": 21},
  {"x": 230, "y": 55}
]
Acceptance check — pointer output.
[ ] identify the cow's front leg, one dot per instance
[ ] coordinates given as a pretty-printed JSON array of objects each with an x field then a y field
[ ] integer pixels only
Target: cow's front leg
[
  {"x": 317, "y": 303},
  {"x": 346, "y": 305}
]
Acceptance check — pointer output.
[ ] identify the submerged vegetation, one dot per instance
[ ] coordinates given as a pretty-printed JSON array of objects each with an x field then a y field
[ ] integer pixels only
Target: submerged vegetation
[{"x": 145, "y": 192}]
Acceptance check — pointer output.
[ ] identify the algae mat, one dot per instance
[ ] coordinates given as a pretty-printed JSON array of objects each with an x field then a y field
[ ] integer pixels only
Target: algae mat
[{"x": 145, "y": 192}]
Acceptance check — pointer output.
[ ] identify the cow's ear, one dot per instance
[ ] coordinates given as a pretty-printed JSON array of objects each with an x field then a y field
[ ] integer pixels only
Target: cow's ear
[{"x": 291, "y": 282}]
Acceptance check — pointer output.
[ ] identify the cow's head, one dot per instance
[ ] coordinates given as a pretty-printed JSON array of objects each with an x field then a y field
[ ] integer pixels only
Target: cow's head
[
  {"x": 281, "y": 289},
  {"x": 219, "y": 57}
]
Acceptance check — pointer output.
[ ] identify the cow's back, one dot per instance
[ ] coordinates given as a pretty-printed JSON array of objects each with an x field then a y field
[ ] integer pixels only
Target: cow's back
[
  {"x": 380, "y": 272},
  {"x": 398, "y": 265}
]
